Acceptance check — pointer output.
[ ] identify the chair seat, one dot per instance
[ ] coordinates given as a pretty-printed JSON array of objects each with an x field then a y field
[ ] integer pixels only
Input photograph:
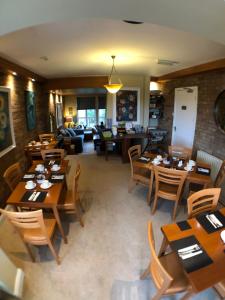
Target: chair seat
[
  {"x": 168, "y": 191},
  {"x": 173, "y": 266},
  {"x": 68, "y": 203},
  {"x": 35, "y": 235}
]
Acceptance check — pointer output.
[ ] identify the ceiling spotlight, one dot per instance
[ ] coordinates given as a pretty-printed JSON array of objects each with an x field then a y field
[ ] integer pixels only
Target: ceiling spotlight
[
  {"x": 133, "y": 22},
  {"x": 14, "y": 73},
  {"x": 45, "y": 58},
  {"x": 32, "y": 79}
]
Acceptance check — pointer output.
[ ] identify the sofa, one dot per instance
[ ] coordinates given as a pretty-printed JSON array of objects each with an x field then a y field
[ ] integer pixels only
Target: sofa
[{"x": 75, "y": 136}]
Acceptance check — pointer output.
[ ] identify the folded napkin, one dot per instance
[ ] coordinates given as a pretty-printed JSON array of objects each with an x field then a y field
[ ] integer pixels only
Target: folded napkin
[
  {"x": 28, "y": 176},
  {"x": 203, "y": 170},
  {"x": 57, "y": 178}
]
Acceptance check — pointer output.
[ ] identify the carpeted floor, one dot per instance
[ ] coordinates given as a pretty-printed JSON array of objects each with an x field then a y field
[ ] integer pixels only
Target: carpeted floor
[{"x": 103, "y": 260}]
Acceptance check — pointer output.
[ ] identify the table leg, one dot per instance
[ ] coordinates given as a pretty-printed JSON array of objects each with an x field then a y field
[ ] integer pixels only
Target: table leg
[
  {"x": 163, "y": 247},
  {"x": 125, "y": 147},
  {"x": 56, "y": 214}
]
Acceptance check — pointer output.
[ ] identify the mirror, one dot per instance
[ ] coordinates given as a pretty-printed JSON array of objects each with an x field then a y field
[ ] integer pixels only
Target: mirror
[{"x": 219, "y": 111}]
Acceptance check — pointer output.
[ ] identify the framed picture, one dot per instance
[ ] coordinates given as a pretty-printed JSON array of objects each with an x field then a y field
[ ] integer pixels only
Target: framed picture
[
  {"x": 30, "y": 103},
  {"x": 7, "y": 139},
  {"x": 59, "y": 114},
  {"x": 126, "y": 106}
]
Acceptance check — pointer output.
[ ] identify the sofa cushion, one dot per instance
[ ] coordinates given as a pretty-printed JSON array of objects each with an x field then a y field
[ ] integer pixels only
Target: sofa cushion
[
  {"x": 71, "y": 131},
  {"x": 68, "y": 132},
  {"x": 64, "y": 132}
]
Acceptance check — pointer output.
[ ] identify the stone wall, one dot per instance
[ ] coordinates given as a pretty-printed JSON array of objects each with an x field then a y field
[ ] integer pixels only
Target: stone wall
[
  {"x": 207, "y": 136},
  {"x": 17, "y": 87}
]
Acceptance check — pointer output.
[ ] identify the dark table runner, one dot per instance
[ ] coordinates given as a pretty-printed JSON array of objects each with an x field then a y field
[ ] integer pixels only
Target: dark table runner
[
  {"x": 27, "y": 194},
  {"x": 195, "y": 262},
  {"x": 199, "y": 171},
  {"x": 205, "y": 223}
]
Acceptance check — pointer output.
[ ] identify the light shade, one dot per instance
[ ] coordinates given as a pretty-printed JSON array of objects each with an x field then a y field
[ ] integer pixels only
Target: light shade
[{"x": 113, "y": 87}]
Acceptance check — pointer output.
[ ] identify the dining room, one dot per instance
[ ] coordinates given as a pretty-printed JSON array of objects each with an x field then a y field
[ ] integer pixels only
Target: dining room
[{"x": 143, "y": 217}]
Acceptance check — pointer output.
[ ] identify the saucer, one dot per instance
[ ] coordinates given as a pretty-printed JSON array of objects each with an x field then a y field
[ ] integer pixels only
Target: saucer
[
  {"x": 55, "y": 169},
  {"x": 156, "y": 163},
  {"x": 30, "y": 188},
  {"x": 46, "y": 187},
  {"x": 185, "y": 168},
  {"x": 166, "y": 162}
]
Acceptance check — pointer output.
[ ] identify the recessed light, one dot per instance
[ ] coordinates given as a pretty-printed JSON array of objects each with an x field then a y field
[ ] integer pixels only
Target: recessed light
[
  {"x": 133, "y": 22},
  {"x": 33, "y": 79},
  {"x": 14, "y": 73}
]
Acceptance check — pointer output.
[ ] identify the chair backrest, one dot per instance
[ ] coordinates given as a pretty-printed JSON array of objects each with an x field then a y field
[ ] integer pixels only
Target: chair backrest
[
  {"x": 221, "y": 176},
  {"x": 26, "y": 220},
  {"x": 134, "y": 152},
  {"x": 171, "y": 177},
  {"x": 49, "y": 154},
  {"x": 203, "y": 201},
  {"x": 46, "y": 137},
  {"x": 180, "y": 151},
  {"x": 34, "y": 152},
  {"x": 158, "y": 273},
  {"x": 12, "y": 175},
  {"x": 75, "y": 183}
]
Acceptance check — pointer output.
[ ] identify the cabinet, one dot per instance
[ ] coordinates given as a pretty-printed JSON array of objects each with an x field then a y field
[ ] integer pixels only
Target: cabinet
[{"x": 156, "y": 108}]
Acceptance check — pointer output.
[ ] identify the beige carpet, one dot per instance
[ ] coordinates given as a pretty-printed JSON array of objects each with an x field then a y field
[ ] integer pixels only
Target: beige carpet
[{"x": 103, "y": 260}]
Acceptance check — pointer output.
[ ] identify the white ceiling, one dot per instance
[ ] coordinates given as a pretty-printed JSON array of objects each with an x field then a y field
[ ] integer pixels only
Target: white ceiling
[{"x": 78, "y": 44}]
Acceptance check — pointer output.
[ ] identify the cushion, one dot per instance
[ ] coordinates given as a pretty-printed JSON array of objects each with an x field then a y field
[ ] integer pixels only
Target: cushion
[
  {"x": 68, "y": 132},
  {"x": 72, "y": 132},
  {"x": 63, "y": 132}
]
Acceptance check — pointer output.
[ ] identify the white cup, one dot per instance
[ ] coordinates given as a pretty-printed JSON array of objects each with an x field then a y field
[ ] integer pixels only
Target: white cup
[
  {"x": 40, "y": 167},
  {"x": 191, "y": 162},
  {"x": 45, "y": 183},
  {"x": 189, "y": 167},
  {"x": 55, "y": 167},
  {"x": 30, "y": 184},
  {"x": 159, "y": 157}
]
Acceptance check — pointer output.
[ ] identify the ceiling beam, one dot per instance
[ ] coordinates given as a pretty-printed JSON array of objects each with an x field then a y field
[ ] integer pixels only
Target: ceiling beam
[
  {"x": 7, "y": 66},
  {"x": 210, "y": 66},
  {"x": 76, "y": 82}
]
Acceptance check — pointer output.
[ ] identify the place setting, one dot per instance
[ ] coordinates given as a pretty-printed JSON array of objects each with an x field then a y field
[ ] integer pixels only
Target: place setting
[
  {"x": 192, "y": 254},
  {"x": 212, "y": 222},
  {"x": 34, "y": 196},
  {"x": 59, "y": 177},
  {"x": 144, "y": 159}
]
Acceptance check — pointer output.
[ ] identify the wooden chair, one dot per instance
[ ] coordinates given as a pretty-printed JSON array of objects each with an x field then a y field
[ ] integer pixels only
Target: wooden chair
[
  {"x": 168, "y": 185},
  {"x": 72, "y": 203},
  {"x": 34, "y": 152},
  {"x": 33, "y": 229},
  {"x": 139, "y": 175},
  {"x": 46, "y": 137},
  {"x": 180, "y": 151},
  {"x": 13, "y": 175},
  {"x": 203, "y": 201},
  {"x": 49, "y": 154},
  {"x": 220, "y": 288},
  {"x": 166, "y": 272}
]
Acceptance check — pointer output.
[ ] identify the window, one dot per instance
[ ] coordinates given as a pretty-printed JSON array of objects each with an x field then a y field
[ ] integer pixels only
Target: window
[
  {"x": 91, "y": 110},
  {"x": 101, "y": 115}
]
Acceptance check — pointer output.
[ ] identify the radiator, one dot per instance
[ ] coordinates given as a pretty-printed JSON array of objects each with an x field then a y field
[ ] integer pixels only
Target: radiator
[{"x": 213, "y": 161}]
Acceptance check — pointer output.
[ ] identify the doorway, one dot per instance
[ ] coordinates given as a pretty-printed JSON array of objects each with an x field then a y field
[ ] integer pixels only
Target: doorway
[{"x": 184, "y": 118}]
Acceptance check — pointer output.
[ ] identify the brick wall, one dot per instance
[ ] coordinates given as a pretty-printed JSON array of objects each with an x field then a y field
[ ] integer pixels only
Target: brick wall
[
  {"x": 207, "y": 136},
  {"x": 22, "y": 136}
]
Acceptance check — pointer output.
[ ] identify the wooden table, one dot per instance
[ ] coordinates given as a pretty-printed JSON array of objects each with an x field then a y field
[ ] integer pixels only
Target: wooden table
[
  {"x": 207, "y": 276},
  {"x": 192, "y": 176},
  {"x": 55, "y": 194},
  {"x": 125, "y": 141}
]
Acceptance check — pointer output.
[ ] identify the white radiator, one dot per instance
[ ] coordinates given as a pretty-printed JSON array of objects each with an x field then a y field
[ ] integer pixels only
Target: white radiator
[{"x": 213, "y": 161}]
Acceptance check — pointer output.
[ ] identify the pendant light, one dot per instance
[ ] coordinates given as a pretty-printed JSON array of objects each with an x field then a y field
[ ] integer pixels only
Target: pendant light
[{"x": 113, "y": 87}]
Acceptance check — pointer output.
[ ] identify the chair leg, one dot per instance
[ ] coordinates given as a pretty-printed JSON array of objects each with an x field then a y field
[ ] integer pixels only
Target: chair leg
[
  {"x": 78, "y": 213},
  {"x": 150, "y": 188},
  {"x": 81, "y": 206},
  {"x": 154, "y": 203},
  {"x": 145, "y": 273},
  {"x": 29, "y": 251},
  {"x": 175, "y": 210},
  {"x": 132, "y": 184},
  {"x": 188, "y": 295},
  {"x": 52, "y": 249}
]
